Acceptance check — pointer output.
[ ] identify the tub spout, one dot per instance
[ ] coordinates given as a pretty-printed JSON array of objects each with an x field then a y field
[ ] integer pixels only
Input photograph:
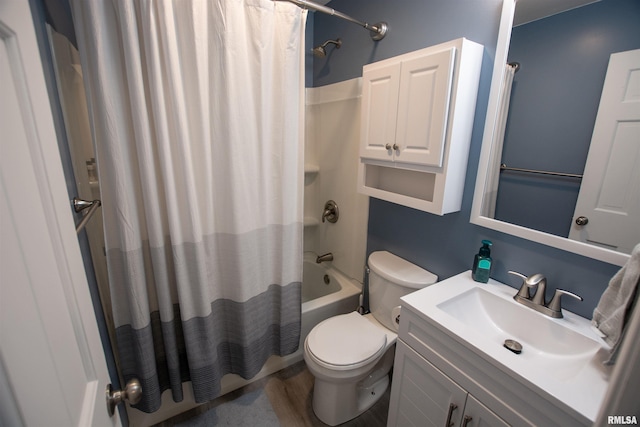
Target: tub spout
[{"x": 326, "y": 257}]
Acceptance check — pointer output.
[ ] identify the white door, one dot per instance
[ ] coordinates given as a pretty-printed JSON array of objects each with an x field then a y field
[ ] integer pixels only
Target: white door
[
  {"x": 423, "y": 108},
  {"x": 51, "y": 357},
  {"x": 610, "y": 192},
  {"x": 380, "y": 87}
]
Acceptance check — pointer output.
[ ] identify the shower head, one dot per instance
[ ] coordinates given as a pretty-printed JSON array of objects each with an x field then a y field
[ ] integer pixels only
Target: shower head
[{"x": 321, "y": 51}]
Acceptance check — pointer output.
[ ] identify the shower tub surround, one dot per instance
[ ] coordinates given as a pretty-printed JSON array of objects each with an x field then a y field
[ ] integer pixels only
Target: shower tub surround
[{"x": 332, "y": 142}]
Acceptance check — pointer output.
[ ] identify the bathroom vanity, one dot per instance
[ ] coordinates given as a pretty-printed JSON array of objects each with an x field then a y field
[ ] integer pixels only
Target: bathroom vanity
[{"x": 452, "y": 368}]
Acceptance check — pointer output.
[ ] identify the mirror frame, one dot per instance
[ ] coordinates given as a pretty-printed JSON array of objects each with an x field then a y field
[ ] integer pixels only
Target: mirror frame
[{"x": 485, "y": 163}]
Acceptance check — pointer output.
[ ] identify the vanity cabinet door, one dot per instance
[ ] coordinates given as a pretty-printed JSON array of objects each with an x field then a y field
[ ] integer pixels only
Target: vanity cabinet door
[
  {"x": 478, "y": 415},
  {"x": 380, "y": 86},
  {"x": 421, "y": 395}
]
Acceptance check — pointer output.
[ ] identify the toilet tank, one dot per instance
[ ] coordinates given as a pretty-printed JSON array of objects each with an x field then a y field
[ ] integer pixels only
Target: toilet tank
[{"x": 391, "y": 278}]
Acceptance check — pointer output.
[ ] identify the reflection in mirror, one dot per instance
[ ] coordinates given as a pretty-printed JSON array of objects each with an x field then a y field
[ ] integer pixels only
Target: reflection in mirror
[{"x": 553, "y": 107}]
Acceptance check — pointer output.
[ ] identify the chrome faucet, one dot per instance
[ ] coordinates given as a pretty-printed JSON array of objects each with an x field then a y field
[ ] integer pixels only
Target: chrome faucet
[
  {"x": 326, "y": 257},
  {"x": 537, "y": 302}
]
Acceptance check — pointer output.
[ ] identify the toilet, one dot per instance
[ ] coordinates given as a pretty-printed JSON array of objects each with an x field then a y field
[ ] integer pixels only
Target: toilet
[{"x": 351, "y": 355}]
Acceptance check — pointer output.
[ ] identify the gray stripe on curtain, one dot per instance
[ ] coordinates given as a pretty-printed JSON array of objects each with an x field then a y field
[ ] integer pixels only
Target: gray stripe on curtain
[
  {"x": 237, "y": 337},
  {"x": 222, "y": 265}
]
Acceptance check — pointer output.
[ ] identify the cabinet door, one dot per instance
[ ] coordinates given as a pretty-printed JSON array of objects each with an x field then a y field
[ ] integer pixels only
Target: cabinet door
[
  {"x": 421, "y": 395},
  {"x": 380, "y": 86},
  {"x": 423, "y": 108},
  {"x": 478, "y": 415}
]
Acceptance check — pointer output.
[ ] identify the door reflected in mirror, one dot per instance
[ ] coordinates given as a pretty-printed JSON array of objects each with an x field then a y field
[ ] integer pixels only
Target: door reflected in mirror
[{"x": 554, "y": 103}]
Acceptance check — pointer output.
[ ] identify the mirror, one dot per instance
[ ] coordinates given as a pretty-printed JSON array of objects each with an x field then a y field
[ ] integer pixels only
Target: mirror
[{"x": 492, "y": 152}]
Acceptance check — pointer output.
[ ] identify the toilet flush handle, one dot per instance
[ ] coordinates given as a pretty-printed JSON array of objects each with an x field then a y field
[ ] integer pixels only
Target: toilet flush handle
[{"x": 394, "y": 318}]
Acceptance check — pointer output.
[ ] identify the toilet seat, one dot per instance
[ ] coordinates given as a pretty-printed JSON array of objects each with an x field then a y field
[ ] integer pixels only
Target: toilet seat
[{"x": 347, "y": 341}]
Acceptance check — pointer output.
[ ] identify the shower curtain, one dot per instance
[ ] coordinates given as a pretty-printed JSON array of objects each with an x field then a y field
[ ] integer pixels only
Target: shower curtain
[
  {"x": 196, "y": 112},
  {"x": 498, "y": 141}
]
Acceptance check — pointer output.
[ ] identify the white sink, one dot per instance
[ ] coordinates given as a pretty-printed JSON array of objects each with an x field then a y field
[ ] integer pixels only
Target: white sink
[
  {"x": 494, "y": 316},
  {"x": 562, "y": 357}
]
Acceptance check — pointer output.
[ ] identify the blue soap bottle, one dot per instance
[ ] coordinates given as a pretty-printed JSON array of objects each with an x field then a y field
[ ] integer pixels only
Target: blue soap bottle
[{"x": 482, "y": 263}]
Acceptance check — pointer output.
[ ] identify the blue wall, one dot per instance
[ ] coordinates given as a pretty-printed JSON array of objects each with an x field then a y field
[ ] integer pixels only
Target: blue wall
[
  {"x": 554, "y": 103},
  {"x": 446, "y": 245}
]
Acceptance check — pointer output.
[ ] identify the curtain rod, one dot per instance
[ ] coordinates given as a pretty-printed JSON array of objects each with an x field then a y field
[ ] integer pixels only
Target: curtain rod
[
  {"x": 515, "y": 65},
  {"x": 378, "y": 31},
  {"x": 79, "y": 205}
]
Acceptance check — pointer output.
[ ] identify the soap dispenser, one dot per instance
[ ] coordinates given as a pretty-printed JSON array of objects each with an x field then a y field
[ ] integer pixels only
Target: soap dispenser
[{"x": 482, "y": 263}]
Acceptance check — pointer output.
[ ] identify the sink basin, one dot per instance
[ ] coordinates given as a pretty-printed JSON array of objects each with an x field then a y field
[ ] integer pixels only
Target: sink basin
[
  {"x": 562, "y": 357},
  {"x": 499, "y": 319},
  {"x": 545, "y": 342}
]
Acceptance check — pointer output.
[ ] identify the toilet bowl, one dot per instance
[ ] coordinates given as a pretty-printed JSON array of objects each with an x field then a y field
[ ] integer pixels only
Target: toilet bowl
[{"x": 351, "y": 355}]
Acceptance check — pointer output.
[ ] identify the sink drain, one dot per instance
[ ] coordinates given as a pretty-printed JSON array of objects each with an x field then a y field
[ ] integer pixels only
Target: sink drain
[{"x": 513, "y": 345}]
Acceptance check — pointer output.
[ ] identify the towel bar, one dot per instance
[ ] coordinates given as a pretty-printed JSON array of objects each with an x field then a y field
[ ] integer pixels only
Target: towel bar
[{"x": 504, "y": 167}]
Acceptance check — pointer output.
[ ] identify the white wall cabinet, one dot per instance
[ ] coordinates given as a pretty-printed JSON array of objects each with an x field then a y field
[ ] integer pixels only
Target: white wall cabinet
[
  {"x": 422, "y": 395},
  {"x": 407, "y": 104},
  {"x": 416, "y": 122}
]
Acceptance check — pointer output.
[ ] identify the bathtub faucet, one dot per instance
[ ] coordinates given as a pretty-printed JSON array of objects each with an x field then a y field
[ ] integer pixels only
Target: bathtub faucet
[
  {"x": 326, "y": 257},
  {"x": 330, "y": 212}
]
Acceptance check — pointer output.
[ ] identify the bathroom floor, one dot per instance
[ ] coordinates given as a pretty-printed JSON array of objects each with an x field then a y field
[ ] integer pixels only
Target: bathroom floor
[{"x": 283, "y": 398}]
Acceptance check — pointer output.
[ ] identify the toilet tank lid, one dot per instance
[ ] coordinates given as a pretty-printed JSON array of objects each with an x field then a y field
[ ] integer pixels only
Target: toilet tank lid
[{"x": 397, "y": 270}]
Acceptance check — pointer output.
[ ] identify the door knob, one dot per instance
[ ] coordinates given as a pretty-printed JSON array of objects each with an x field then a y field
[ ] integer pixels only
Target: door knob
[
  {"x": 132, "y": 392},
  {"x": 387, "y": 146},
  {"x": 582, "y": 220}
]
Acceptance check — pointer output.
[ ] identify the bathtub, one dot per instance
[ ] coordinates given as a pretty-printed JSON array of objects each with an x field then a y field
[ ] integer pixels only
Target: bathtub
[
  {"x": 326, "y": 292},
  {"x": 321, "y": 300}
]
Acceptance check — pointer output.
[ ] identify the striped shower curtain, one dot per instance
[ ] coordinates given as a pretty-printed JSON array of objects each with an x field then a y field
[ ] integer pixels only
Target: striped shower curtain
[{"x": 195, "y": 107}]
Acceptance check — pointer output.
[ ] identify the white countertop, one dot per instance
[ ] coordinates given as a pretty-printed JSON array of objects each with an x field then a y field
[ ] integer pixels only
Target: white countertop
[{"x": 562, "y": 357}]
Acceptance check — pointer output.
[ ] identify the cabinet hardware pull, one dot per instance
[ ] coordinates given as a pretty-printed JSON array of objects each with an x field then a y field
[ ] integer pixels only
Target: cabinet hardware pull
[
  {"x": 452, "y": 407},
  {"x": 387, "y": 146},
  {"x": 396, "y": 147},
  {"x": 466, "y": 420}
]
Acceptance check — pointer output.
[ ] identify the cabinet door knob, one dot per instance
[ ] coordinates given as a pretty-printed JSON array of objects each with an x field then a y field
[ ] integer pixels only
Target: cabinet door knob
[
  {"x": 388, "y": 146},
  {"x": 396, "y": 147},
  {"x": 452, "y": 407}
]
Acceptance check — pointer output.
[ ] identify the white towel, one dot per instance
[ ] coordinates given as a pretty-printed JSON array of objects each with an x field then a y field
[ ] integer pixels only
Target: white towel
[{"x": 614, "y": 309}]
